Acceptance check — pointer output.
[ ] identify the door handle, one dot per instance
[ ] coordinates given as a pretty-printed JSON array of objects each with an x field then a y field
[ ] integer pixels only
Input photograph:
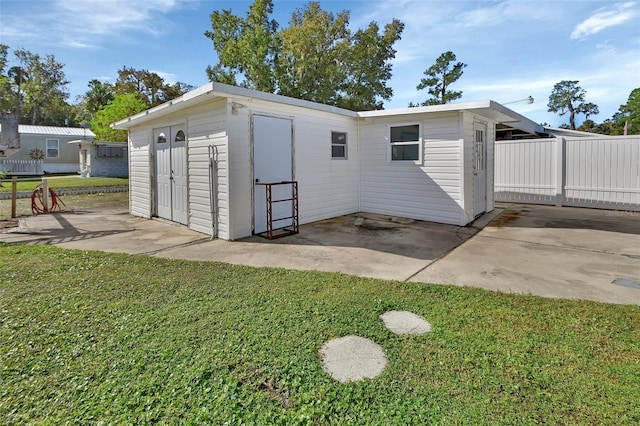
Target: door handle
[{"x": 257, "y": 180}]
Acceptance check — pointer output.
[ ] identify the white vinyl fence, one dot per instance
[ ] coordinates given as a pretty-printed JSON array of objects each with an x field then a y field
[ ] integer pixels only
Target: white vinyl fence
[
  {"x": 600, "y": 172},
  {"x": 21, "y": 167}
]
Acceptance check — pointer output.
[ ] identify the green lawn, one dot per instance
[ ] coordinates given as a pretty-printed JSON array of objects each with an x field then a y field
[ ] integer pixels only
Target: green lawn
[
  {"x": 96, "y": 338},
  {"x": 65, "y": 182}
]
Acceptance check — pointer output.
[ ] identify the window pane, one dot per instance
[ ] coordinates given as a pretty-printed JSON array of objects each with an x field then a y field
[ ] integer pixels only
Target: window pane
[
  {"x": 180, "y": 136},
  {"x": 338, "y": 151},
  {"x": 338, "y": 138},
  {"x": 405, "y": 152},
  {"x": 405, "y": 133},
  {"x": 162, "y": 138},
  {"x": 52, "y": 148}
]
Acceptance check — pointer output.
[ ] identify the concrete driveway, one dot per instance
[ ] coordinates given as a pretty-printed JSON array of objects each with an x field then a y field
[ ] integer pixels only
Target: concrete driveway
[{"x": 546, "y": 251}]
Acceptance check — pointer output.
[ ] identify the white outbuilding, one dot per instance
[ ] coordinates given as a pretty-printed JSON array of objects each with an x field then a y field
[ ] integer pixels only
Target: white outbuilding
[{"x": 232, "y": 162}]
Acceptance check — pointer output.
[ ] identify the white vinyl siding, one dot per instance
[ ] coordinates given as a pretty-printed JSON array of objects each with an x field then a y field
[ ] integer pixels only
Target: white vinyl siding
[
  {"x": 430, "y": 191},
  {"x": 326, "y": 188},
  {"x": 206, "y": 126},
  {"x": 140, "y": 172}
]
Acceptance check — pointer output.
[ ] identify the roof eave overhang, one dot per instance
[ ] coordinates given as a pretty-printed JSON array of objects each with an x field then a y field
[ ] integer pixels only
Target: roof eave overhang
[
  {"x": 485, "y": 108},
  {"x": 212, "y": 90}
]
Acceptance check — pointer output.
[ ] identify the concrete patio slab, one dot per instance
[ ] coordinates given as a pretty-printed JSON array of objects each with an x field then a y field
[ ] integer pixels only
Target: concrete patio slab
[
  {"x": 540, "y": 250},
  {"x": 548, "y": 251}
]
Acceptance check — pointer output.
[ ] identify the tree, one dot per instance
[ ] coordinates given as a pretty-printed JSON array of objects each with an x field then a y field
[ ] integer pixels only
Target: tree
[
  {"x": 567, "y": 96},
  {"x": 246, "y": 46},
  {"x": 5, "y": 86},
  {"x": 628, "y": 114},
  {"x": 34, "y": 88},
  {"x": 122, "y": 106},
  {"x": 148, "y": 86},
  {"x": 439, "y": 77},
  {"x": 370, "y": 67},
  {"x": 315, "y": 49},
  {"x": 316, "y": 58},
  {"x": 99, "y": 95}
]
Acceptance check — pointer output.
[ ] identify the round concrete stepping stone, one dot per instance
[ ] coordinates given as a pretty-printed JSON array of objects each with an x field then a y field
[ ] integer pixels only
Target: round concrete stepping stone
[
  {"x": 405, "y": 322},
  {"x": 352, "y": 358}
]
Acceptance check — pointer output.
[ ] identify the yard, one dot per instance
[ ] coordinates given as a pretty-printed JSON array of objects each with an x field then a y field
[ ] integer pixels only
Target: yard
[
  {"x": 90, "y": 337},
  {"x": 64, "y": 182},
  {"x": 71, "y": 202}
]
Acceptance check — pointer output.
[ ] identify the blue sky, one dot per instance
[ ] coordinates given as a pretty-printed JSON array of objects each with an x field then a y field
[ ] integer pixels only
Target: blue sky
[{"x": 513, "y": 48}]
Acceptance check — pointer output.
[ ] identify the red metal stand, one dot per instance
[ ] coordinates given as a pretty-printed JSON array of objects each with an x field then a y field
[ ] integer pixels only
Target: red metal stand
[{"x": 279, "y": 232}]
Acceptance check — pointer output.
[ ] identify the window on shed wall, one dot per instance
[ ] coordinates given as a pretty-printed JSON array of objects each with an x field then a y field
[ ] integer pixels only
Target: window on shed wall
[
  {"x": 405, "y": 144},
  {"x": 110, "y": 151},
  {"x": 53, "y": 148},
  {"x": 338, "y": 145},
  {"x": 180, "y": 137}
]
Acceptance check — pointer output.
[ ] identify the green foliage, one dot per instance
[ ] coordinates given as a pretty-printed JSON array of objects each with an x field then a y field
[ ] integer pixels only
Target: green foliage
[
  {"x": 97, "y": 338},
  {"x": 568, "y": 97},
  {"x": 122, "y": 106},
  {"x": 3, "y": 174},
  {"x": 439, "y": 77},
  {"x": 98, "y": 96},
  {"x": 148, "y": 86},
  {"x": 316, "y": 58},
  {"x": 34, "y": 88},
  {"x": 6, "y": 99},
  {"x": 628, "y": 114}
]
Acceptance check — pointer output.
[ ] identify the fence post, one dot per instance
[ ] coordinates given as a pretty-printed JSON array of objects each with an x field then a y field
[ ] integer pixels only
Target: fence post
[
  {"x": 45, "y": 194},
  {"x": 560, "y": 166},
  {"x": 14, "y": 195}
]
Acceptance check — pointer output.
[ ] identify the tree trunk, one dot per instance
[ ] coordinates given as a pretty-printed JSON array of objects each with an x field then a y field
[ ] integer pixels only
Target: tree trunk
[{"x": 572, "y": 117}]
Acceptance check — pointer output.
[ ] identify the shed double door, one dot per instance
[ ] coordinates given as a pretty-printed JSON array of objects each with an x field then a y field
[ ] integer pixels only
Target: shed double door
[
  {"x": 171, "y": 173},
  {"x": 272, "y": 162}
]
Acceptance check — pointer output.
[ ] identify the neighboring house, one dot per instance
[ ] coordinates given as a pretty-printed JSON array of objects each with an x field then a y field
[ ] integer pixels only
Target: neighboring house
[
  {"x": 203, "y": 160},
  {"x": 51, "y": 145},
  {"x": 102, "y": 159}
]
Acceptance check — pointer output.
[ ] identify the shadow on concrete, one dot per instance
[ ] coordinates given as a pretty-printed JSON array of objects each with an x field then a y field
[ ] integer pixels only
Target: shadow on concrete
[
  {"x": 399, "y": 236},
  {"x": 551, "y": 217}
]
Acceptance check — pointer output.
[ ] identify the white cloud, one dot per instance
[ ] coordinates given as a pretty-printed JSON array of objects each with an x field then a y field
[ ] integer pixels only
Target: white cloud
[
  {"x": 107, "y": 17},
  {"x": 85, "y": 24},
  {"x": 169, "y": 78},
  {"x": 603, "y": 19}
]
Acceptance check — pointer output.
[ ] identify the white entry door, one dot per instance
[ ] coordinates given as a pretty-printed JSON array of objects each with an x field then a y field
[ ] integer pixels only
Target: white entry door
[
  {"x": 479, "y": 168},
  {"x": 272, "y": 162},
  {"x": 171, "y": 173}
]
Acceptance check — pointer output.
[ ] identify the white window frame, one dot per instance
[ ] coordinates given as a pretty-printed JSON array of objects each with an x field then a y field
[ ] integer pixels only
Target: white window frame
[
  {"x": 418, "y": 142},
  {"x": 57, "y": 148},
  {"x": 345, "y": 145}
]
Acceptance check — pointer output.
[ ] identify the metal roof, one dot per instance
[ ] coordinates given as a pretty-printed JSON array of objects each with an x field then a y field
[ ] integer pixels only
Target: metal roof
[{"x": 25, "y": 129}]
